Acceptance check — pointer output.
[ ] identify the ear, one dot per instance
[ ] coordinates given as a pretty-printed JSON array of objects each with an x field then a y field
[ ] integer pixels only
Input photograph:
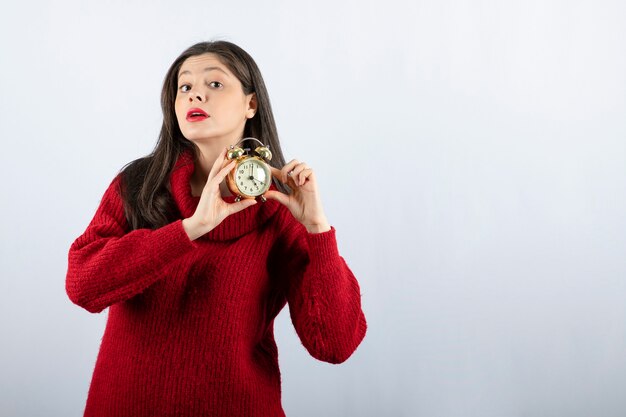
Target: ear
[{"x": 252, "y": 106}]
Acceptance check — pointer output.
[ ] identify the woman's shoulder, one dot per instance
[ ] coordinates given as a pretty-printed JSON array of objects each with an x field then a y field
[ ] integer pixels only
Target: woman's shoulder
[{"x": 124, "y": 184}]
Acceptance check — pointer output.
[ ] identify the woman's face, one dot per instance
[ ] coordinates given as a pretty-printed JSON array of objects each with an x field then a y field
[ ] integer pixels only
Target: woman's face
[{"x": 206, "y": 84}]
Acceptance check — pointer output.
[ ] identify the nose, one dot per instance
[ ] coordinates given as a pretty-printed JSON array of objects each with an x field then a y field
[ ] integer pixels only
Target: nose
[{"x": 196, "y": 95}]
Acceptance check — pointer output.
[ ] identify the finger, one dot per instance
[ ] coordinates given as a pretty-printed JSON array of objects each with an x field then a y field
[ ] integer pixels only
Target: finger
[
  {"x": 304, "y": 176},
  {"x": 217, "y": 164},
  {"x": 278, "y": 196},
  {"x": 295, "y": 173},
  {"x": 219, "y": 177},
  {"x": 241, "y": 205},
  {"x": 298, "y": 169},
  {"x": 289, "y": 167},
  {"x": 277, "y": 173},
  {"x": 280, "y": 176}
]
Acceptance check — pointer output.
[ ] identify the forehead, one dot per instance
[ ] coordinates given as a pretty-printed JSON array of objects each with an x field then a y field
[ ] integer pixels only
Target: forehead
[{"x": 203, "y": 63}]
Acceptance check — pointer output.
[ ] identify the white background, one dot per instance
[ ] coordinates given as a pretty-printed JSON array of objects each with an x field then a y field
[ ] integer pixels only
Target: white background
[{"x": 471, "y": 155}]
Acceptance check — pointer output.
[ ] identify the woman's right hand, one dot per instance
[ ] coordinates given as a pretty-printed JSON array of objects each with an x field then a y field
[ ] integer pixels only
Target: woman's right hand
[{"x": 212, "y": 209}]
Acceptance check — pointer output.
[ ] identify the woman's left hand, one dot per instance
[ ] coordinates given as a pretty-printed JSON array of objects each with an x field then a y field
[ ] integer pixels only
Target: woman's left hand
[{"x": 304, "y": 201}]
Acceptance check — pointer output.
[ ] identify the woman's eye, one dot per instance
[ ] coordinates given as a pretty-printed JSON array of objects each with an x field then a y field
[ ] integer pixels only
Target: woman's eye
[{"x": 186, "y": 87}]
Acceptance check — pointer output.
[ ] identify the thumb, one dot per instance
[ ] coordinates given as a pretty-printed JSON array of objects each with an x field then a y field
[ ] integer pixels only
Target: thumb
[
  {"x": 278, "y": 196},
  {"x": 240, "y": 205}
]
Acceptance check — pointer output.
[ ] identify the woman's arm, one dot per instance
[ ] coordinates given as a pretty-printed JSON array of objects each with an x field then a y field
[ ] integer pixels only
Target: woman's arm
[
  {"x": 323, "y": 295},
  {"x": 106, "y": 265}
]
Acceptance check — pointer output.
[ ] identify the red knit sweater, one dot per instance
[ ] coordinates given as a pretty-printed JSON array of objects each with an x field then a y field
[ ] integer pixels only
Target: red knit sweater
[{"x": 190, "y": 323}]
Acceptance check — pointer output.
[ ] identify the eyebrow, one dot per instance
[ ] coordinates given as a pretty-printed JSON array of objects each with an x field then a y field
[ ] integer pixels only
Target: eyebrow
[{"x": 204, "y": 70}]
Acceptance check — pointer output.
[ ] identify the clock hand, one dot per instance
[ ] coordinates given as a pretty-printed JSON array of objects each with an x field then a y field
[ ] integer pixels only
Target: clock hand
[
  {"x": 252, "y": 177},
  {"x": 256, "y": 179}
]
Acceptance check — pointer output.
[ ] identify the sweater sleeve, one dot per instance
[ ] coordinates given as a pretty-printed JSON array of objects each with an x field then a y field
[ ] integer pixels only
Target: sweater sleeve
[
  {"x": 323, "y": 295},
  {"x": 107, "y": 264}
]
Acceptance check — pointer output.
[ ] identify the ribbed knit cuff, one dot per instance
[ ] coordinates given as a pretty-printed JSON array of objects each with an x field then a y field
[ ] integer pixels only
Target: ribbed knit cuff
[
  {"x": 175, "y": 238},
  {"x": 323, "y": 250}
]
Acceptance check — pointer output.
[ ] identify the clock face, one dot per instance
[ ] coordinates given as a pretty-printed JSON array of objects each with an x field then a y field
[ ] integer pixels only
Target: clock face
[{"x": 252, "y": 177}]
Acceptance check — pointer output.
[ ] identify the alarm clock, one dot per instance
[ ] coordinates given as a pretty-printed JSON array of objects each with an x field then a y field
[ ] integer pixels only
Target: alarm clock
[{"x": 252, "y": 175}]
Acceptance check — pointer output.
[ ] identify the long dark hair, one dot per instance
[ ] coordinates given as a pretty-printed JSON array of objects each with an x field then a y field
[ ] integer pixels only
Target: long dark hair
[{"x": 145, "y": 187}]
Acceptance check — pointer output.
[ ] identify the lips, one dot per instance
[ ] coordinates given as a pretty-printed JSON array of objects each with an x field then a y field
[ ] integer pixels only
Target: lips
[{"x": 196, "y": 114}]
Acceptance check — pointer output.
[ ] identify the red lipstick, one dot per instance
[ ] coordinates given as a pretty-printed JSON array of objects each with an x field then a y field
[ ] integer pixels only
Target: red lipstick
[{"x": 196, "y": 114}]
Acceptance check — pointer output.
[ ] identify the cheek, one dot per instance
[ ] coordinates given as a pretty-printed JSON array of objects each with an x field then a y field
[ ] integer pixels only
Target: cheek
[{"x": 178, "y": 109}]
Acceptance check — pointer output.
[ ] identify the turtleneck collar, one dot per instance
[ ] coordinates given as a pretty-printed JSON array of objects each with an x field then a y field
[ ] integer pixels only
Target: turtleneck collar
[{"x": 233, "y": 226}]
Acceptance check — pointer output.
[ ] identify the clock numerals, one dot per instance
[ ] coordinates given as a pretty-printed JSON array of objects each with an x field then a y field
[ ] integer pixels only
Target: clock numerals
[{"x": 251, "y": 178}]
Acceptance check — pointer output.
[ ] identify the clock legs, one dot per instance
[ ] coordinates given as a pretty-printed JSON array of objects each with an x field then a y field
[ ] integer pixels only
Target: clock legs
[{"x": 261, "y": 198}]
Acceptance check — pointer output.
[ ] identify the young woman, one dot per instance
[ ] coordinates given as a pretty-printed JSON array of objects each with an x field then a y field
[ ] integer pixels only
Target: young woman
[{"x": 194, "y": 279}]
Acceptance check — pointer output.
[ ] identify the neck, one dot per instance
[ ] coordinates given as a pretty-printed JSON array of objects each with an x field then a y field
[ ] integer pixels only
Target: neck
[{"x": 209, "y": 152}]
